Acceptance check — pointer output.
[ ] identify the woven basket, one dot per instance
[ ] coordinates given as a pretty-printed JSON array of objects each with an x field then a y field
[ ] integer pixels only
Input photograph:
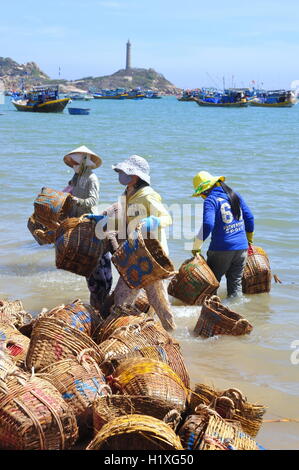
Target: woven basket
[
  {"x": 194, "y": 282},
  {"x": 53, "y": 340},
  {"x": 147, "y": 377},
  {"x": 206, "y": 430},
  {"x": 51, "y": 206},
  {"x": 142, "y": 261},
  {"x": 216, "y": 319},
  {"x": 80, "y": 382},
  {"x": 79, "y": 315},
  {"x": 110, "y": 407},
  {"x": 128, "y": 339},
  {"x": 120, "y": 316},
  {"x": 41, "y": 234},
  {"x": 13, "y": 313},
  {"x": 16, "y": 344},
  {"x": 33, "y": 415},
  {"x": 257, "y": 273},
  {"x": 77, "y": 248},
  {"x": 135, "y": 432},
  {"x": 230, "y": 404},
  {"x": 168, "y": 353},
  {"x": 7, "y": 365}
]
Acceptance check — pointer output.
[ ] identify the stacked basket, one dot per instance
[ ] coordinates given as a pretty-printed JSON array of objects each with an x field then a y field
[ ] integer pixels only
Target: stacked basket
[
  {"x": 206, "y": 430},
  {"x": 230, "y": 404}
]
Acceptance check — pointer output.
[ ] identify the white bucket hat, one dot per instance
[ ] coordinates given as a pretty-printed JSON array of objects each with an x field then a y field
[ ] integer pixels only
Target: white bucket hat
[
  {"x": 135, "y": 165},
  {"x": 93, "y": 160}
]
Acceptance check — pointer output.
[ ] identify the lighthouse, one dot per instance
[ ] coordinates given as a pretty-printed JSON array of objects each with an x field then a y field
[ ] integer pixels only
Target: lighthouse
[{"x": 128, "y": 55}]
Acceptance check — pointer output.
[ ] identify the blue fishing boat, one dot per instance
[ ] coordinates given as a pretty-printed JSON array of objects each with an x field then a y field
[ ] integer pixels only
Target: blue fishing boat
[
  {"x": 41, "y": 99},
  {"x": 227, "y": 98},
  {"x": 81, "y": 111},
  {"x": 274, "y": 99}
]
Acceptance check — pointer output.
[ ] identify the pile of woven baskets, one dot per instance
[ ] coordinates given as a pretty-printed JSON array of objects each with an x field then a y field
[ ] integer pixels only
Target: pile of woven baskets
[{"x": 74, "y": 380}]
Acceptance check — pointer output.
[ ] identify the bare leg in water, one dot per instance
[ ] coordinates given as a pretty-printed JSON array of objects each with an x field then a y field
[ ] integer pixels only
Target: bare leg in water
[{"x": 157, "y": 297}]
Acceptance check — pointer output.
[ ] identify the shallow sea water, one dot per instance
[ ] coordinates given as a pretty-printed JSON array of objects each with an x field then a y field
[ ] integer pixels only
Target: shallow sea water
[{"x": 255, "y": 148}]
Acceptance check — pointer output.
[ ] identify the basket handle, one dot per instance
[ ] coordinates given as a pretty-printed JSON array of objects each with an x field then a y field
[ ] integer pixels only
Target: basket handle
[
  {"x": 241, "y": 326},
  {"x": 172, "y": 418},
  {"x": 212, "y": 298},
  {"x": 227, "y": 402},
  {"x": 88, "y": 356},
  {"x": 235, "y": 394},
  {"x": 205, "y": 409}
]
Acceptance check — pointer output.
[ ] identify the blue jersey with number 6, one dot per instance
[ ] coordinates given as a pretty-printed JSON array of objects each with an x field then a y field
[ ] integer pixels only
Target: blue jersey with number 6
[{"x": 227, "y": 233}]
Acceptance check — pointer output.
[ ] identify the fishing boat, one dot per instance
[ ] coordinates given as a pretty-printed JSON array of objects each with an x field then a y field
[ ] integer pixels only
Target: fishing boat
[
  {"x": 274, "y": 99},
  {"x": 152, "y": 95},
  {"x": 225, "y": 99},
  {"x": 41, "y": 99},
  {"x": 79, "y": 96},
  {"x": 81, "y": 111},
  {"x": 114, "y": 94},
  {"x": 135, "y": 94},
  {"x": 188, "y": 95}
]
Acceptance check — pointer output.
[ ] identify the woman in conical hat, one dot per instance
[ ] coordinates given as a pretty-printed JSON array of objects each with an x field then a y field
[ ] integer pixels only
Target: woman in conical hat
[
  {"x": 84, "y": 187},
  {"x": 230, "y": 222}
]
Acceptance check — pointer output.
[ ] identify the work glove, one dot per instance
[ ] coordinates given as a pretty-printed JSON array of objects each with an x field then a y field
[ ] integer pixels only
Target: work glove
[
  {"x": 249, "y": 236},
  {"x": 197, "y": 246},
  {"x": 97, "y": 218},
  {"x": 196, "y": 252},
  {"x": 150, "y": 223}
]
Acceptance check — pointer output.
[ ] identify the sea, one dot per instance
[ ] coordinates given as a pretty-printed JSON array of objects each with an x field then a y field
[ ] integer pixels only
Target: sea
[{"x": 256, "y": 149}]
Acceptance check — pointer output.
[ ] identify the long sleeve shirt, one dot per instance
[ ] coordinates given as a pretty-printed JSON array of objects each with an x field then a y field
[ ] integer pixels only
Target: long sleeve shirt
[
  {"x": 227, "y": 233},
  {"x": 86, "y": 190},
  {"x": 144, "y": 203}
]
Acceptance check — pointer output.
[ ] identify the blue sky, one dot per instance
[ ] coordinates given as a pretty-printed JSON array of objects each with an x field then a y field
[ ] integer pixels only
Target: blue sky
[{"x": 192, "y": 43}]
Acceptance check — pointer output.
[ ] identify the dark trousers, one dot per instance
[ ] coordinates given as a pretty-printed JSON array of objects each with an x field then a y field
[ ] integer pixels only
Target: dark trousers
[
  {"x": 100, "y": 282},
  {"x": 232, "y": 264}
]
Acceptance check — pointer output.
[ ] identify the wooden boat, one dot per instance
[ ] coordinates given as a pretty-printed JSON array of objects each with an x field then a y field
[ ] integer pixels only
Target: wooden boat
[
  {"x": 237, "y": 104},
  {"x": 42, "y": 100},
  {"x": 274, "y": 99},
  {"x": 117, "y": 94}
]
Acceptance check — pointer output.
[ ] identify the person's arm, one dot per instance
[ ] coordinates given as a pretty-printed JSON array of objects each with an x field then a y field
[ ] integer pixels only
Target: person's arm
[
  {"x": 159, "y": 211},
  {"x": 92, "y": 196},
  {"x": 248, "y": 220}
]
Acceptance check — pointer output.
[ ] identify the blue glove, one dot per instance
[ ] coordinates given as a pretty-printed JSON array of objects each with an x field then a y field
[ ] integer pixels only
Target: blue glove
[
  {"x": 97, "y": 218},
  {"x": 151, "y": 223}
]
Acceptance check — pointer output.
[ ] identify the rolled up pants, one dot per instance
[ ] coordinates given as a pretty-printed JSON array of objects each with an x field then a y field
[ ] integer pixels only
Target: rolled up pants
[
  {"x": 232, "y": 264},
  {"x": 157, "y": 296}
]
